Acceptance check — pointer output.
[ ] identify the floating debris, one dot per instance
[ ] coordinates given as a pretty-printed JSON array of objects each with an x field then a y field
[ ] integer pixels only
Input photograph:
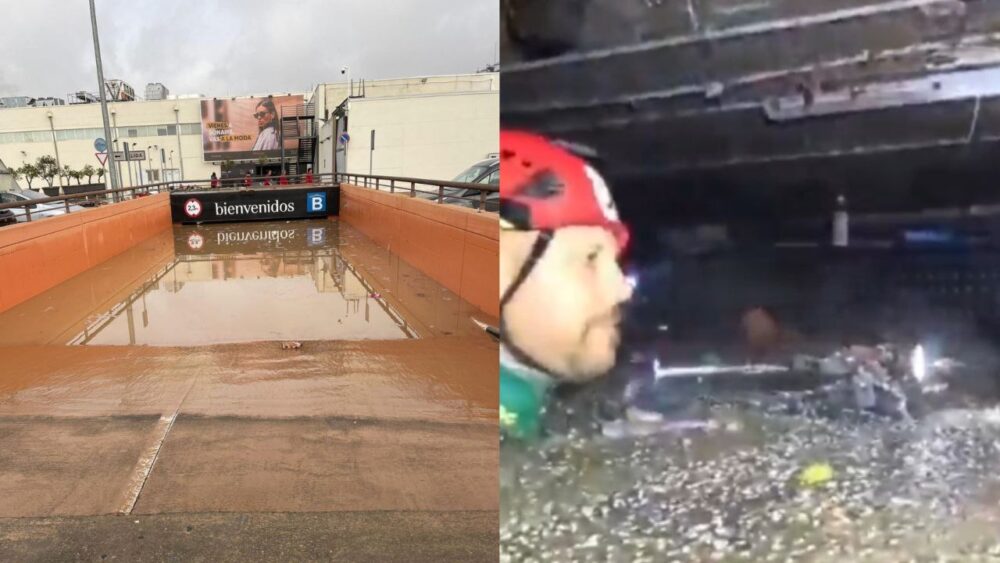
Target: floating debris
[
  {"x": 488, "y": 329},
  {"x": 291, "y": 345},
  {"x": 816, "y": 474},
  {"x": 837, "y": 483}
]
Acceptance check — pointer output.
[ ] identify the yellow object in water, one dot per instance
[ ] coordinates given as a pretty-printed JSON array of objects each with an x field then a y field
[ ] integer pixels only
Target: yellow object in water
[{"x": 816, "y": 474}]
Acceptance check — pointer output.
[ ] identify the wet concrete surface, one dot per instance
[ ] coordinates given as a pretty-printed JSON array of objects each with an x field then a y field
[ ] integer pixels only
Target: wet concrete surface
[
  {"x": 380, "y": 427},
  {"x": 919, "y": 490},
  {"x": 406, "y": 380},
  {"x": 331, "y": 536},
  {"x": 51, "y": 465},
  {"x": 320, "y": 465}
]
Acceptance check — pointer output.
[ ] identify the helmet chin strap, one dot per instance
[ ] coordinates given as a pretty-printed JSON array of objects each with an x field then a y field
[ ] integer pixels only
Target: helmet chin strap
[{"x": 539, "y": 247}]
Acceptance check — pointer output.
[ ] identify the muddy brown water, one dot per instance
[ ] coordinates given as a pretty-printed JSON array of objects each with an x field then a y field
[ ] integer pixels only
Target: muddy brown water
[
  {"x": 200, "y": 285},
  {"x": 156, "y": 382}
]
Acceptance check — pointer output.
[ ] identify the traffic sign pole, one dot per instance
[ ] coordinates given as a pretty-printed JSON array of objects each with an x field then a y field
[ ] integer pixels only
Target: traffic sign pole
[{"x": 101, "y": 89}]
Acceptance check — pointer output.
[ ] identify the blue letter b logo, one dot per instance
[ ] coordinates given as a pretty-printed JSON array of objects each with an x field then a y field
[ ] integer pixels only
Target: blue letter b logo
[{"x": 316, "y": 201}]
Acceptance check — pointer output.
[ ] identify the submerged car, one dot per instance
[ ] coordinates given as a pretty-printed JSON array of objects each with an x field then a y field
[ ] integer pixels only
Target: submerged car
[{"x": 38, "y": 210}]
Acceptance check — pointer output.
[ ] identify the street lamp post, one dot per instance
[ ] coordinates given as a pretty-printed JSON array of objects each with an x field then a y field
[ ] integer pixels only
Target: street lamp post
[
  {"x": 159, "y": 159},
  {"x": 128, "y": 163},
  {"x": 55, "y": 146},
  {"x": 114, "y": 122},
  {"x": 115, "y": 180},
  {"x": 111, "y": 162},
  {"x": 177, "y": 125},
  {"x": 139, "y": 164}
]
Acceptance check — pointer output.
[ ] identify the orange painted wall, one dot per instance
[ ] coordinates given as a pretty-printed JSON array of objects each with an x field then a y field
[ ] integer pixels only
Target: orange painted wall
[
  {"x": 39, "y": 255},
  {"x": 457, "y": 247}
]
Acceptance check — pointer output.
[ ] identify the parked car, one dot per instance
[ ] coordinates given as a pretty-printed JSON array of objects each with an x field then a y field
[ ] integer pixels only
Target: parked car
[
  {"x": 492, "y": 201},
  {"x": 38, "y": 210},
  {"x": 482, "y": 172},
  {"x": 470, "y": 197},
  {"x": 7, "y": 217}
]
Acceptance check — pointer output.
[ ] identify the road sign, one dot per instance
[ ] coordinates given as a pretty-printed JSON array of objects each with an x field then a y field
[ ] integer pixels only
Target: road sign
[
  {"x": 100, "y": 145},
  {"x": 196, "y": 241},
  {"x": 192, "y": 208},
  {"x": 132, "y": 155},
  {"x": 344, "y": 137},
  {"x": 102, "y": 157}
]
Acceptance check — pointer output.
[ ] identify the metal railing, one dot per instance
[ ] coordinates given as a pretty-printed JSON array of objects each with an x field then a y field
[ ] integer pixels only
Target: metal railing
[
  {"x": 64, "y": 204},
  {"x": 482, "y": 197}
]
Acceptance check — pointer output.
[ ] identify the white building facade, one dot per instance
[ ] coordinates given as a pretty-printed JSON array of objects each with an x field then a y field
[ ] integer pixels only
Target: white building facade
[{"x": 432, "y": 127}]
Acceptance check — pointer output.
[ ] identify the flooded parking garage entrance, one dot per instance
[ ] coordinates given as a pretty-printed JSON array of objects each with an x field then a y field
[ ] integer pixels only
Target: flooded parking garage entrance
[
  {"x": 156, "y": 384},
  {"x": 264, "y": 281},
  {"x": 228, "y": 283}
]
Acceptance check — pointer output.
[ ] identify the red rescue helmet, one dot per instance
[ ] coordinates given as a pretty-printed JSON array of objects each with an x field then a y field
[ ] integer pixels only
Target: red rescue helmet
[{"x": 544, "y": 187}]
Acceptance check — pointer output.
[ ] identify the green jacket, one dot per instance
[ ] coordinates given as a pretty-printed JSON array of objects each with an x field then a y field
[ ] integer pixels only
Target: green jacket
[{"x": 523, "y": 395}]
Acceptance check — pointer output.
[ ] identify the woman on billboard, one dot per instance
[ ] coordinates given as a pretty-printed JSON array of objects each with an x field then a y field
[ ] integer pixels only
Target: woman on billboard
[{"x": 267, "y": 137}]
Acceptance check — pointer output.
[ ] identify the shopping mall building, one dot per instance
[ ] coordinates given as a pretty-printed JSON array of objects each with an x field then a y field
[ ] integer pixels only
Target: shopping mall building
[{"x": 432, "y": 127}]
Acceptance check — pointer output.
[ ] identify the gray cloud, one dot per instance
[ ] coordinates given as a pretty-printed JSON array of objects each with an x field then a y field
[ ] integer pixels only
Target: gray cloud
[{"x": 235, "y": 47}]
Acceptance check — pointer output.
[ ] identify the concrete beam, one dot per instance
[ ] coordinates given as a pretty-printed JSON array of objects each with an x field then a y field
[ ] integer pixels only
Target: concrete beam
[{"x": 679, "y": 64}]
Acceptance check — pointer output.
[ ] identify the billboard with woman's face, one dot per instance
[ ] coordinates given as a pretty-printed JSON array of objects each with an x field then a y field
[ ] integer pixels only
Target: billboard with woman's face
[{"x": 244, "y": 128}]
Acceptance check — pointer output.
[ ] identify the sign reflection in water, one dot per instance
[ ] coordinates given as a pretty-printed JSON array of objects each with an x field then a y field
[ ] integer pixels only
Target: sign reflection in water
[{"x": 249, "y": 283}]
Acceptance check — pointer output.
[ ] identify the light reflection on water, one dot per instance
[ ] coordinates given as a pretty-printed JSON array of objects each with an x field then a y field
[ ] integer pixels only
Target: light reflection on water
[{"x": 239, "y": 283}]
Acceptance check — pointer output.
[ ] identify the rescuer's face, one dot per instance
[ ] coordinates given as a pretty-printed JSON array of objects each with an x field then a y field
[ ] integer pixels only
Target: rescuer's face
[
  {"x": 263, "y": 116},
  {"x": 566, "y": 313}
]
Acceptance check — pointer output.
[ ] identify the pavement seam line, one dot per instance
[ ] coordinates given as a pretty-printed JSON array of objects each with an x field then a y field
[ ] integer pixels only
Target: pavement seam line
[{"x": 144, "y": 466}]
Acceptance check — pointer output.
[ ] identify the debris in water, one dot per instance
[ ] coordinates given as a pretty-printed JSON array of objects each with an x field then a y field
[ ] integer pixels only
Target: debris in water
[
  {"x": 491, "y": 330},
  {"x": 816, "y": 474},
  {"x": 636, "y": 414},
  {"x": 660, "y": 372},
  {"x": 646, "y": 425},
  {"x": 291, "y": 345},
  {"x": 918, "y": 363}
]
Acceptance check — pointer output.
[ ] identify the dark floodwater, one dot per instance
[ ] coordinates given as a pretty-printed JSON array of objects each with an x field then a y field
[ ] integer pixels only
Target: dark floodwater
[
  {"x": 901, "y": 490},
  {"x": 844, "y": 295}
]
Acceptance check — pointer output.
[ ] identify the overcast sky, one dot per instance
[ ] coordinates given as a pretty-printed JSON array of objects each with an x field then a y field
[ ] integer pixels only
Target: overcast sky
[{"x": 239, "y": 47}]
